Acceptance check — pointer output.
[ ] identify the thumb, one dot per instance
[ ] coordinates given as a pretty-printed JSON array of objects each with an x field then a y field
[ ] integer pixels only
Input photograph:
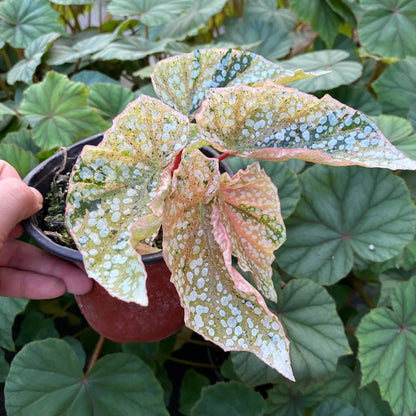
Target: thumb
[{"x": 17, "y": 202}]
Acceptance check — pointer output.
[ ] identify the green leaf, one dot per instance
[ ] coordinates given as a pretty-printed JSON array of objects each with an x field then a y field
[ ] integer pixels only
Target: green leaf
[
  {"x": 4, "y": 367},
  {"x": 387, "y": 349},
  {"x": 22, "y": 138},
  {"x": 57, "y": 110},
  {"x": 36, "y": 326},
  {"x": 267, "y": 11},
  {"x": 291, "y": 400},
  {"x": 153, "y": 12},
  {"x": 340, "y": 70},
  {"x": 192, "y": 384},
  {"x": 387, "y": 27},
  {"x": 109, "y": 99},
  {"x": 21, "y": 22},
  {"x": 9, "y": 308},
  {"x": 359, "y": 98},
  {"x": 346, "y": 212},
  {"x": 396, "y": 87},
  {"x": 231, "y": 398},
  {"x": 78, "y": 349},
  {"x": 322, "y": 16},
  {"x": 130, "y": 49},
  {"x": 22, "y": 160},
  {"x": 334, "y": 406},
  {"x": 271, "y": 41},
  {"x": 273, "y": 122},
  {"x": 184, "y": 81},
  {"x": 393, "y": 127},
  {"x": 219, "y": 303},
  {"x": 195, "y": 17},
  {"x": 89, "y": 77},
  {"x": 74, "y": 2},
  {"x": 112, "y": 186},
  {"x": 315, "y": 331},
  {"x": 48, "y": 375},
  {"x": 285, "y": 180},
  {"x": 24, "y": 69}
]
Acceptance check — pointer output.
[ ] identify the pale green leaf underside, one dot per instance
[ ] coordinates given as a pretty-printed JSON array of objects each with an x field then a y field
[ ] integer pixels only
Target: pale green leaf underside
[
  {"x": 346, "y": 212},
  {"x": 184, "y": 81},
  {"x": 223, "y": 308},
  {"x": 112, "y": 186},
  {"x": 273, "y": 122},
  {"x": 387, "y": 340}
]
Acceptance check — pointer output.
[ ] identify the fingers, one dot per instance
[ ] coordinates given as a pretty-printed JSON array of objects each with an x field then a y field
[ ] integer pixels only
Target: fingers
[
  {"x": 32, "y": 261},
  {"x": 7, "y": 171},
  {"x": 17, "y": 202}
]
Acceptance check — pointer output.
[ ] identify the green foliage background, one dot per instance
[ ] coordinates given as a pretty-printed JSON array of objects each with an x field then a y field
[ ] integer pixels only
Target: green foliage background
[{"x": 345, "y": 277}]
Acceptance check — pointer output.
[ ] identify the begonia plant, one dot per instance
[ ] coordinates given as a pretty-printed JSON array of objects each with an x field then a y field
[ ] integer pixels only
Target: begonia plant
[{"x": 148, "y": 173}]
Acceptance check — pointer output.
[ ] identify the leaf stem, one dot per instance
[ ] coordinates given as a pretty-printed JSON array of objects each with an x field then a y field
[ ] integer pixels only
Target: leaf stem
[
  {"x": 185, "y": 362},
  {"x": 223, "y": 156},
  {"x": 176, "y": 162},
  {"x": 96, "y": 353},
  {"x": 359, "y": 288}
]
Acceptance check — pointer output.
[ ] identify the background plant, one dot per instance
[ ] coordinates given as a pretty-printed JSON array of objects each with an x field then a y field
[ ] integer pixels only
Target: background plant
[{"x": 68, "y": 67}]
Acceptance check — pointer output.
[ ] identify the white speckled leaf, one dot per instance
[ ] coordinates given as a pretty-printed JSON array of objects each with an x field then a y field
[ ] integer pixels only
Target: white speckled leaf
[
  {"x": 273, "y": 122},
  {"x": 184, "y": 81},
  {"x": 112, "y": 186},
  {"x": 235, "y": 318},
  {"x": 248, "y": 215}
]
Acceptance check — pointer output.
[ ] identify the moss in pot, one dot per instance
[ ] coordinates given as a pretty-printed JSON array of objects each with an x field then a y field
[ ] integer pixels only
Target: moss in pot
[{"x": 148, "y": 173}]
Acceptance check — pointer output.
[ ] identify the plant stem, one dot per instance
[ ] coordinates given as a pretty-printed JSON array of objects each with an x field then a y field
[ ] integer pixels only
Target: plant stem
[
  {"x": 96, "y": 353},
  {"x": 223, "y": 156},
  {"x": 3, "y": 86},
  {"x": 6, "y": 59},
  {"x": 359, "y": 288},
  {"x": 185, "y": 362}
]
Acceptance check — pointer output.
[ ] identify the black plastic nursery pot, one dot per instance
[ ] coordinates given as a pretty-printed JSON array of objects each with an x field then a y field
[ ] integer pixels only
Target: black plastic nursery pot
[{"x": 114, "y": 319}]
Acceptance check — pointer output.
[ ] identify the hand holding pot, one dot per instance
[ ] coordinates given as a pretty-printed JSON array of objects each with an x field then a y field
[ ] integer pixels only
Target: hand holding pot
[{"x": 26, "y": 271}]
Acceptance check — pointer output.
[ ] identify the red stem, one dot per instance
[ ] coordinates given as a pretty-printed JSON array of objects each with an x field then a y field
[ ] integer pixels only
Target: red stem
[
  {"x": 223, "y": 156},
  {"x": 176, "y": 162}
]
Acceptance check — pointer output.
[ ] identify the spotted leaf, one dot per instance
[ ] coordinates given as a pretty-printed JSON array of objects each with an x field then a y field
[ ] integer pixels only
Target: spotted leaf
[
  {"x": 112, "y": 187},
  {"x": 249, "y": 216},
  {"x": 222, "y": 308},
  {"x": 183, "y": 81},
  {"x": 273, "y": 122}
]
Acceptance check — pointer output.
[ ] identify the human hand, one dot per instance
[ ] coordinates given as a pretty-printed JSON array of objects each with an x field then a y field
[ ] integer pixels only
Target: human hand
[{"x": 27, "y": 271}]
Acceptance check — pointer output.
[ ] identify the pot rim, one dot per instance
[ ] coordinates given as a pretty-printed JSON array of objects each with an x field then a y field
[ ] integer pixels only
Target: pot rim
[{"x": 34, "y": 178}]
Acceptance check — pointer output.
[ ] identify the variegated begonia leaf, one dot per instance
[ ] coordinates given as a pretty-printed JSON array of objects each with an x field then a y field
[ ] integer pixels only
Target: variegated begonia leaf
[
  {"x": 183, "y": 81},
  {"x": 273, "y": 122},
  {"x": 223, "y": 308},
  {"x": 249, "y": 210},
  {"x": 112, "y": 186}
]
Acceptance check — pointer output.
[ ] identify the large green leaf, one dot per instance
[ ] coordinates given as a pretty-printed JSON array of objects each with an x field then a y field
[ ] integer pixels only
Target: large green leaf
[
  {"x": 112, "y": 186},
  {"x": 191, "y": 386},
  {"x": 323, "y": 17},
  {"x": 346, "y": 212},
  {"x": 219, "y": 303},
  {"x": 184, "y": 81},
  {"x": 24, "y": 69},
  {"x": 22, "y": 138},
  {"x": 271, "y": 41},
  {"x": 231, "y": 399},
  {"x": 22, "y": 160},
  {"x": 192, "y": 19},
  {"x": 273, "y": 122},
  {"x": 21, "y": 22},
  {"x": 130, "y": 49},
  {"x": 47, "y": 376},
  {"x": 109, "y": 99},
  {"x": 315, "y": 331},
  {"x": 340, "y": 70},
  {"x": 9, "y": 309},
  {"x": 284, "y": 179},
  {"x": 335, "y": 406},
  {"x": 267, "y": 11},
  {"x": 57, "y": 110},
  {"x": 387, "y": 349},
  {"x": 396, "y": 87},
  {"x": 387, "y": 27},
  {"x": 153, "y": 12},
  {"x": 89, "y": 77}
]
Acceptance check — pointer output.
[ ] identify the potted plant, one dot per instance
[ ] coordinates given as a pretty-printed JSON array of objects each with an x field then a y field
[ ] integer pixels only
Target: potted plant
[{"x": 148, "y": 174}]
